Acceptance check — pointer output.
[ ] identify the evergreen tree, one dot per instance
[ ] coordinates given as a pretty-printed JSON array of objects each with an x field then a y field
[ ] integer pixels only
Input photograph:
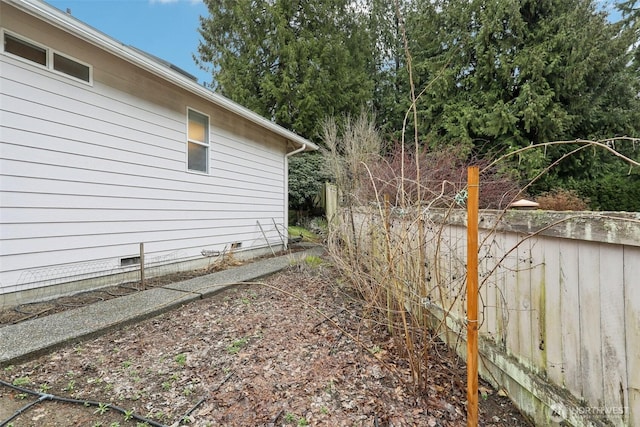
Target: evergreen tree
[
  {"x": 307, "y": 175},
  {"x": 504, "y": 74},
  {"x": 631, "y": 20},
  {"x": 390, "y": 97},
  {"x": 292, "y": 61}
]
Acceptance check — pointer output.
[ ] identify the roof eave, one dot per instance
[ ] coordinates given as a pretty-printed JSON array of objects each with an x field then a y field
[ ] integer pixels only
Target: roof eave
[{"x": 71, "y": 25}]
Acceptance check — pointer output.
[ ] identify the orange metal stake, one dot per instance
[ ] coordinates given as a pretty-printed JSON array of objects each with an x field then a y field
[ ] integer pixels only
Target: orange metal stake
[{"x": 472, "y": 295}]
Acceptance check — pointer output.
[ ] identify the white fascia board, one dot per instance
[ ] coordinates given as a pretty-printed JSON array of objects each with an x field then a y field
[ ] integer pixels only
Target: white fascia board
[{"x": 79, "y": 29}]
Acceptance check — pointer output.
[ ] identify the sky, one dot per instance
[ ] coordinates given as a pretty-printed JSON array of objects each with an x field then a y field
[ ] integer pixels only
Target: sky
[{"x": 167, "y": 29}]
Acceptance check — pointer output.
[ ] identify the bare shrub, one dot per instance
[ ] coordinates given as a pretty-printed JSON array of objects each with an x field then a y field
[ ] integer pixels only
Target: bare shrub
[
  {"x": 349, "y": 147},
  {"x": 561, "y": 199},
  {"x": 436, "y": 178}
]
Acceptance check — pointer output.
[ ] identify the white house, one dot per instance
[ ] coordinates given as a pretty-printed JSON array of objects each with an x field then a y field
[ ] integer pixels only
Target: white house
[{"x": 103, "y": 147}]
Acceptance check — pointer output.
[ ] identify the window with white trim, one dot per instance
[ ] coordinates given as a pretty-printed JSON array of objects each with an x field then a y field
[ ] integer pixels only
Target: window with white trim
[
  {"x": 33, "y": 52},
  {"x": 24, "y": 49},
  {"x": 70, "y": 67},
  {"x": 197, "y": 141}
]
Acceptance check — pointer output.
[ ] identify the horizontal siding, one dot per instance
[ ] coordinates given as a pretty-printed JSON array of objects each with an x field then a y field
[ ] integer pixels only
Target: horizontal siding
[
  {"x": 118, "y": 113},
  {"x": 89, "y": 172},
  {"x": 75, "y": 188},
  {"x": 85, "y": 214},
  {"x": 89, "y": 229},
  {"x": 66, "y": 201},
  {"x": 124, "y": 177}
]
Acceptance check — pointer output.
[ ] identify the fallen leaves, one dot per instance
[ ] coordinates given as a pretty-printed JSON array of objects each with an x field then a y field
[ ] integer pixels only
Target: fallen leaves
[{"x": 256, "y": 355}]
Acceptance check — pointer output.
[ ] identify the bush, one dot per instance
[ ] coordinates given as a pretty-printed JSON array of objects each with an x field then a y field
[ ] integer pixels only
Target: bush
[
  {"x": 307, "y": 174},
  {"x": 561, "y": 199},
  {"x": 611, "y": 193}
]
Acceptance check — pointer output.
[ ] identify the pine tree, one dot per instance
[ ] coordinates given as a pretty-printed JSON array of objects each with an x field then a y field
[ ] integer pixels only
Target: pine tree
[
  {"x": 504, "y": 74},
  {"x": 520, "y": 72},
  {"x": 631, "y": 20},
  {"x": 292, "y": 61}
]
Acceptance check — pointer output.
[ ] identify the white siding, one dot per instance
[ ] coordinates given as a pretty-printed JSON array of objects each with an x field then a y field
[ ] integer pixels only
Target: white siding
[{"x": 89, "y": 172}]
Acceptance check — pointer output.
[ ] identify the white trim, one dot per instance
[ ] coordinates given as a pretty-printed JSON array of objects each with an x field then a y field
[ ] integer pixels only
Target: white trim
[{"x": 84, "y": 32}]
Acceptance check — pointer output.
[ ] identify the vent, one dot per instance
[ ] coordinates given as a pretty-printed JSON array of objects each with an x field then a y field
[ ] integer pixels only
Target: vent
[
  {"x": 129, "y": 261},
  {"x": 236, "y": 245}
]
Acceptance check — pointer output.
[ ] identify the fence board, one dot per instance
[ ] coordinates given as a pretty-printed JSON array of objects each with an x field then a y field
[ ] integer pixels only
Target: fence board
[
  {"x": 590, "y": 354},
  {"x": 632, "y": 329},
  {"x": 536, "y": 277},
  {"x": 488, "y": 289},
  {"x": 512, "y": 307},
  {"x": 502, "y": 319},
  {"x": 612, "y": 323},
  {"x": 553, "y": 311},
  {"x": 460, "y": 271},
  {"x": 524, "y": 303},
  {"x": 570, "y": 317}
]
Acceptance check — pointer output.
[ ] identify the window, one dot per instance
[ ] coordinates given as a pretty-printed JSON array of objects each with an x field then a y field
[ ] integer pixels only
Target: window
[
  {"x": 71, "y": 67},
  {"x": 25, "y": 49},
  {"x": 46, "y": 57},
  {"x": 197, "y": 142}
]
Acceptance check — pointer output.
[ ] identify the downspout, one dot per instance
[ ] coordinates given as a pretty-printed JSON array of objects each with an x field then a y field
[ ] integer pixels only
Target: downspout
[
  {"x": 304, "y": 147},
  {"x": 286, "y": 193}
]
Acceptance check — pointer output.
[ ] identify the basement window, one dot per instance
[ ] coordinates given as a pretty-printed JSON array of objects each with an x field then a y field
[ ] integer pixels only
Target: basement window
[{"x": 44, "y": 56}]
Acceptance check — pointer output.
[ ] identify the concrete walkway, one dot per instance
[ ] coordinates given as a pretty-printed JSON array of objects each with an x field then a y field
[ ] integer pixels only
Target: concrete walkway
[{"x": 33, "y": 337}]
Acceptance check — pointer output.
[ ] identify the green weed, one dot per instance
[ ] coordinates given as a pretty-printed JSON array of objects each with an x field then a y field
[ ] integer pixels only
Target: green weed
[
  {"x": 181, "y": 359},
  {"x": 20, "y": 381},
  {"x": 313, "y": 261},
  {"x": 103, "y": 408},
  {"x": 71, "y": 385},
  {"x": 236, "y": 345}
]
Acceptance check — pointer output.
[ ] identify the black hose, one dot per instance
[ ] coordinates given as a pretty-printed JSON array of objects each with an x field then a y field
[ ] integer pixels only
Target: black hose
[
  {"x": 200, "y": 402},
  {"x": 23, "y": 409},
  {"x": 45, "y": 396}
]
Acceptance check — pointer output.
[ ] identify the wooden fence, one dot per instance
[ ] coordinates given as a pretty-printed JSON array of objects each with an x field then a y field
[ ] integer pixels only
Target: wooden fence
[{"x": 559, "y": 306}]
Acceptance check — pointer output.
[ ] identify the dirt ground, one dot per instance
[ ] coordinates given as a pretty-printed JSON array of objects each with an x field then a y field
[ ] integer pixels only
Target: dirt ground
[{"x": 280, "y": 353}]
